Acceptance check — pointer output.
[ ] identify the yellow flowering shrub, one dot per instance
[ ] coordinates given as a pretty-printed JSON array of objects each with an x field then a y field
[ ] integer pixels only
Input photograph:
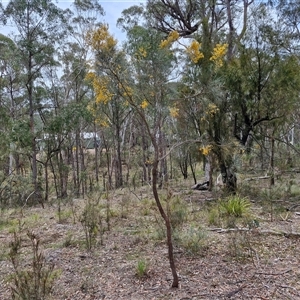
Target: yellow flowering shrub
[
  {"x": 218, "y": 54},
  {"x": 194, "y": 51},
  {"x": 172, "y": 37}
]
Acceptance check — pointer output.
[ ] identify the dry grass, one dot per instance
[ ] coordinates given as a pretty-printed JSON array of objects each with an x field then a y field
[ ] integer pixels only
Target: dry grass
[{"x": 236, "y": 265}]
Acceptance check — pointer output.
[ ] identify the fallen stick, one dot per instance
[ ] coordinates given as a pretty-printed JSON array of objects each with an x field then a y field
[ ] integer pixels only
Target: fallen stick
[
  {"x": 256, "y": 230},
  {"x": 232, "y": 293},
  {"x": 274, "y": 274}
]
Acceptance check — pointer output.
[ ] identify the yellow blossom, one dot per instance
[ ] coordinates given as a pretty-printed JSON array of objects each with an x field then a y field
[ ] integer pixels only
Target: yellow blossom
[
  {"x": 172, "y": 37},
  {"x": 142, "y": 51},
  {"x": 100, "y": 85},
  {"x": 174, "y": 112},
  {"x": 103, "y": 123},
  {"x": 212, "y": 109},
  {"x": 100, "y": 39},
  {"x": 128, "y": 92},
  {"x": 218, "y": 54},
  {"x": 144, "y": 104},
  {"x": 194, "y": 51},
  {"x": 206, "y": 149}
]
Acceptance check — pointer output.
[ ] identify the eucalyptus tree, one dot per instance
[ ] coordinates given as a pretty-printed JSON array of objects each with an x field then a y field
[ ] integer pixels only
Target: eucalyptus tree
[
  {"x": 86, "y": 17},
  {"x": 64, "y": 114},
  {"x": 154, "y": 71},
  {"x": 262, "y": 81},
  {"x": 287, "y": 12},
  {"x": 110, "y": 110},
  {"x": 39, "y": 26},
  {"x": 256, "y": 53},
  {"x": 11, "y": 94},
  {"x": 212, "y": 28}
]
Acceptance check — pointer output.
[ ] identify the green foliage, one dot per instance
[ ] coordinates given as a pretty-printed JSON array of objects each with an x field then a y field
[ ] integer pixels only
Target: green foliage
[
  {"x": 241, "y": 245},
  {"x": 33, "y": 282},
  {"x": 21, "y": 133},
  {"x": 177, "y": 211},
  {"x": 214, "y": 216},
  {"x": 193, "y": 240},
  {"x": 15, "y": 190},
  {"x": 141, "y": 268},
  {"x": 91, "y": 221},
  {"x": 234, "y": 206},
  {"x": 68, "y": 241},
  {"x": 64, "y": 215},
  {"x": 229, "y": 211}
]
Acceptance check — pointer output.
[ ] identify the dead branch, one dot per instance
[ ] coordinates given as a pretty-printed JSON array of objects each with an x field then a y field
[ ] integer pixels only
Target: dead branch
[
  {"x": 256, "y": 230},
  {"x": 232, "y": 293},
  {"x": 274, "y": 274},
  {"x": 256, "y": 178}
]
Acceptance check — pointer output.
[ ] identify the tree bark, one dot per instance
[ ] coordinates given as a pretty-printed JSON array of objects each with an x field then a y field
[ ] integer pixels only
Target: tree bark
[{"x": 166, "y": 219}]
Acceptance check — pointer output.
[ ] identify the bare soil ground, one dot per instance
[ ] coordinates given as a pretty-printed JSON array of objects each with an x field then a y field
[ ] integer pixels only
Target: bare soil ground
[{"x": 261, "y": 263}]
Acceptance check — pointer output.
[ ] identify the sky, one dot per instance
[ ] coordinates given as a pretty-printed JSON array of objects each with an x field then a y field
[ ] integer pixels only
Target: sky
[{"x": 113, "y": 10}]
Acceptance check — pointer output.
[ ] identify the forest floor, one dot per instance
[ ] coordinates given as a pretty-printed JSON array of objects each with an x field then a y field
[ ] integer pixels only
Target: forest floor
[{"x": 212, "y": 260}]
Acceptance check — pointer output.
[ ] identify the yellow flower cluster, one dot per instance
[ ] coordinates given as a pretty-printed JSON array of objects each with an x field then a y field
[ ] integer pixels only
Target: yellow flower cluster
[
  {"x": 144, "y": 104},
  {"x": 218, "y": 54},
  {"x": 194, "y": 51},
  {"x": 172, "y": 37},
  {"x": 206, "y": 149},
  {"x": 128, "y": 92},
  {"x": 212, "y": 109},
  {"x": 174, "y": 112},
  {"x": 91, "y": 108},
  {"x": 102, "y": 123},
  {"x": 100, "y": 85},
  {"x": 142, "y": 51},
  {"x": 101, "y": 39}
]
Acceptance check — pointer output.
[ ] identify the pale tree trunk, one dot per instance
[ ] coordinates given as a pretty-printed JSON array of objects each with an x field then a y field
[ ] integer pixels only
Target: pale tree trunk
[{"x": 209, "y": 172}]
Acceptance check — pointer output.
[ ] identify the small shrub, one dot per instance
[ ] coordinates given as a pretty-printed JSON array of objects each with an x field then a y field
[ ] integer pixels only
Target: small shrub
[
  {"x": 35, "y": 281},
  {"x": 68, "y": 241},
  {"x": 214, "y": 216},
  {"x": 193, "y": 240},
  {"x": 64, "y": 216},
  {"x": 141, "y": 268},
  {"x": 159, "y": 232},
  {"x": 235, "y": 206},
  {"x": 241, "y": 245},
  {"x": 91, "y": 221},
  {"x": 177, "y": 211}
]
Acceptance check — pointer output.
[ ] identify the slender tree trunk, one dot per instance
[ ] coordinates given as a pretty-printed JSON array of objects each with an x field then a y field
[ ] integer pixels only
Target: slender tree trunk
[
  {"x": 77, "y": 167},
  {"x": 36, "y": 195},
  {"x": 192, "y": 167},
  {"x": 165, "y": 217},
  {"x": 118, "y": 166},
  {"x": 96, "y": 147},
  {"x": 82, "y": 173},
  {"x": 272, "y": 178},
  {"x": 46, "y": 198}
]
